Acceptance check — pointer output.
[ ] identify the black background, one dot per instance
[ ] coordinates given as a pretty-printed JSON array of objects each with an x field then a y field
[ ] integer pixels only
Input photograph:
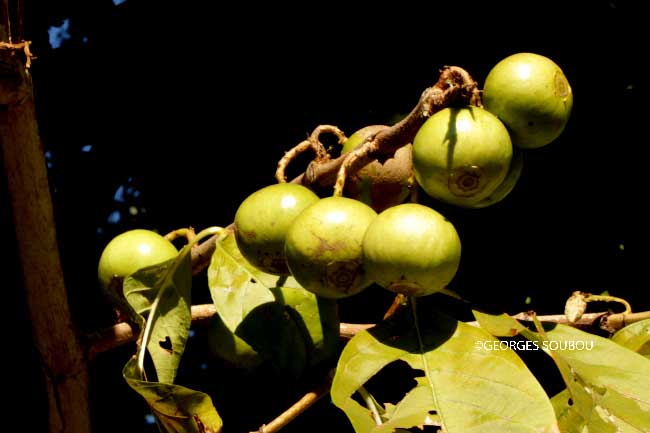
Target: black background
[{"x": 195, "y": 102}]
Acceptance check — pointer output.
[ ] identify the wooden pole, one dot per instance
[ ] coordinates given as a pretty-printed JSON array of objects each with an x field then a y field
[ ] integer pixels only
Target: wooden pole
[{"x": 63, "y": 359}]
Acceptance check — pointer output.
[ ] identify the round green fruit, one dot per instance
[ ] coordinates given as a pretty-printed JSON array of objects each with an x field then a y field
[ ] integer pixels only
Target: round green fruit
[
  {"x": 323, "y": 247},
  {"x": 225, "y": 345},
  {"x": 531, "y": 95},
  {"x": 461, "y": 155},
  {"x": 508, "y": 184},
  {"x": 379, "y": 185},
  {"x": 262, "y": 220},
  {"x": 130, "y": 251},
  {"x": 411, "y": 249}
]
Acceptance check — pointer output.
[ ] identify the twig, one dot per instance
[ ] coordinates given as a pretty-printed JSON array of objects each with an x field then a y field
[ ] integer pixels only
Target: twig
[
  {"x": 453, "y": 83},
  {"x": 289, "y": 156},
  {"x": 313, "y": 143},
  {"x": 202, "y": 253},
  {"x": 614, "y": 322},
  {"x": 187, "y": 233},
  {"x": 349, "y": 330},
  {"x": 20, "y": 46},
  {"x": 322, "y": 172},
  {"x": 398, "y": 302},
  {"x": 124, "y": 333},
  {"x": 299, "y": 407}
]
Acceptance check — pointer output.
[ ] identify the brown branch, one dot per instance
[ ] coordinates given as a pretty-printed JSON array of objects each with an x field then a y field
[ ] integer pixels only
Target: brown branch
[
  {"x": 289, "y": 156},
  {"x": 20, "y": 46},
  {"x": 5, "y": 22},
  {"x": 202, "y": 253},
  {"x": 300, "y": 406},
  {"x": 398, "y": 302},
  {"x": 313, "y": 143},
  {"x": 124, "y": 333},
  {"x": 58, "y": 345},
  {"x": 453, "y": 83}
]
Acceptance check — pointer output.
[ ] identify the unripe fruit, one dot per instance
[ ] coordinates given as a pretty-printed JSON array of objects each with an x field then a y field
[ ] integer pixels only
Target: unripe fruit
[
  {"x": 262, "y": 220},
  {"x": 508, "y": 184},
  {"x": 323, "y": 247},
  {"x": 130, "y": 251},
  {"x": 411, "y": 249},
  {"x": 531, "y": 95},
  {"x": 461, "y": 155},
  {"x": 379, "y": 185}
]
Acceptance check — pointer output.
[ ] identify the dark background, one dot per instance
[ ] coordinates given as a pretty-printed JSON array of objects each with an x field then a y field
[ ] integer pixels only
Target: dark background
[{"x": 187, "y": 106}]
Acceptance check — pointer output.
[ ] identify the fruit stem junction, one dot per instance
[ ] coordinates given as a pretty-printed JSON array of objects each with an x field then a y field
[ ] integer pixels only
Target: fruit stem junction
[{"x": 454, "y": 85}]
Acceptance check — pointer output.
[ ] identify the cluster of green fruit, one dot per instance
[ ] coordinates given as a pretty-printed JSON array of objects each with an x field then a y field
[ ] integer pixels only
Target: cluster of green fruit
[{"x": 337, "y": 246}]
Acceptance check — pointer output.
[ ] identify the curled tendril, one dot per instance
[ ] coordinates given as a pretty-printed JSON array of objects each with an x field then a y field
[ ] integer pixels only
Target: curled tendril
[{"x": 312, "y": 142}]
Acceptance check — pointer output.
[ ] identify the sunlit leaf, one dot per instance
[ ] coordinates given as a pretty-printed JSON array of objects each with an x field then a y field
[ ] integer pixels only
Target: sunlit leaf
[
  {"x": 635, "y": 337},
  {"x": 177, "y": 409},
  {"x": 173, "y": 316},
  {"x": 243, "y": 298},
  {"x": 500, "y": 325},
  {"x": 608, "y": 386},
  {"x": 464, "y": 388}
]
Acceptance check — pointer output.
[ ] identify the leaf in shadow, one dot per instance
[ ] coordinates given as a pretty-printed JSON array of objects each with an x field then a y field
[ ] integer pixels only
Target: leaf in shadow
[
  {"x": 317, "y": 318},
  {"x": 244, "y": 299},
  {"x": 271, "y": 331},
  {"x": 177, "y": 409},
  {"x": 465, "y": 389},
  {"x": 173, "y": 316}
]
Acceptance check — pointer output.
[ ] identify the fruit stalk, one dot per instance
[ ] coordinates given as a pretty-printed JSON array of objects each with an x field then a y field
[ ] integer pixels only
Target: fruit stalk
[
  {"x": 299, "y": 407},
  {"x": 454, "y": 82}
]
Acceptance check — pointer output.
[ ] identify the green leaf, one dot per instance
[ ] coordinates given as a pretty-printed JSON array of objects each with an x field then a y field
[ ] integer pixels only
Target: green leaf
[
  {"x": 500, "y": 325},
  {"x": 244, "y": 299},
  {"x": 465, "y": 388},
  {"x": 608, "y": 386},
  {"x": 173, "y": 316},
  {"x": 177, "y": 409},
  {"x": 317, "y": 319},
  {"x": 635, "y": 337}
]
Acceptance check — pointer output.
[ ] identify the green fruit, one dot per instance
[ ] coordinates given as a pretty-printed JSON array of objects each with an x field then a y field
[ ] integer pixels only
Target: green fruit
[
  {"x": 508, "y": 184},
  {"x": 262, "y": 220},
  {"x": 379, "y": 185},
  {"x": 531, "y": 95},
  {"x": 411, "y": 249},
  {"x": 461, "y": 155},
  {"x": 130, "y": 251},
  {"x": 323, "y": 247},
  {"x": 225, "y": 345}
]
